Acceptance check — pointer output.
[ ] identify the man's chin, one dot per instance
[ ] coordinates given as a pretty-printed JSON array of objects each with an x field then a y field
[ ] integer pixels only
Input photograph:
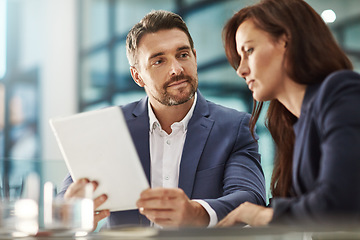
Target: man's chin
[{"x": 179, "y": 100}]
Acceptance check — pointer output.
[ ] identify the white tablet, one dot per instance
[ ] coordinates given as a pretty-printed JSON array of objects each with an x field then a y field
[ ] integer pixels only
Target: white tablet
[{"x": 97, "y": 145}]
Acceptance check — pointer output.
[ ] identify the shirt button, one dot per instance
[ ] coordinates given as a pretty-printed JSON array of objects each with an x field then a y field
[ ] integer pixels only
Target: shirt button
[
  {"x": 167, "y": 178},
  {"x": 168, "y": 142}
]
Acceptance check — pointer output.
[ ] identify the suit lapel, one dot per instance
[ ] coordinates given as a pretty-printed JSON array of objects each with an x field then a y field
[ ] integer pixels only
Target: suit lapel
[
  {"x": 139, "y": 128},
  {"x": 300, "y": 131},
  {"x": 198, "y": 132},
  {"x": 296, "y": 165}
]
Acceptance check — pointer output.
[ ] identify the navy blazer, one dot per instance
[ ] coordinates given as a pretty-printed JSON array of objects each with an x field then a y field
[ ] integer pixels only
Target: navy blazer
[
  {"x": 326, "y": 159},
  {"x": 220, "y": 162}
]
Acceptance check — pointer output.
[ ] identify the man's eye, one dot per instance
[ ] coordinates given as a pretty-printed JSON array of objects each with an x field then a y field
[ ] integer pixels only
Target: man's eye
[
  {"x": 183, "y": 55},
  {"x": 157, "y": 62}
]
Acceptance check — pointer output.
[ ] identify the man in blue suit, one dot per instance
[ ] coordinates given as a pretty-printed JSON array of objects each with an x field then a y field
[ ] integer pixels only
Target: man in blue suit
[{"x": 200, "y": 158}]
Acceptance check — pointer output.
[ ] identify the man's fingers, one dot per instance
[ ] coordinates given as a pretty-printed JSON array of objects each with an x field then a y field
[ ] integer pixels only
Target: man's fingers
[
  {"x": 162, "y": 216},
  {"x": 95, "y": 185},
  {"x": 171, "y": 207},
  {"x": 157, "y": 203},
  {"x": 161, "y": 192},
  {"x": 159, "y": 217},
  {"x": 76, "y": 188},
  {"x": 156, "y": 213},
  {"x": 161, "y": 198},
  {"x": 99, "y": 215},
  {"x": 164, "y": 222},
  {"x": 99, "y": 200}
]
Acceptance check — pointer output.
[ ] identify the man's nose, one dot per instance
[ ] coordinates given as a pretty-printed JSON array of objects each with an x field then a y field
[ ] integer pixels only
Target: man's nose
[{"x": 175, "y": 67}]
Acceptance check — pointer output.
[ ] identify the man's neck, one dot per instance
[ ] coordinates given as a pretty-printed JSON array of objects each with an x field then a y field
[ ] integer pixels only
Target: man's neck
[{"x": 167, "y": 115}]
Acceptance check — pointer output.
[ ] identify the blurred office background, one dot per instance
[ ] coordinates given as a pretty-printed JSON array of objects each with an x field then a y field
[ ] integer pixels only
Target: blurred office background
[{"x": 61, "y": 57}]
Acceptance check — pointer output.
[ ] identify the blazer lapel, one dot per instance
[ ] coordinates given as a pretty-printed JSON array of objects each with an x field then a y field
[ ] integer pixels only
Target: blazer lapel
[
  {"x": 299, "y": 130},
  {"x": 198, "y": 131},
  {"x": 139, "y": 128},
  {"x": 296, "y": 165}
]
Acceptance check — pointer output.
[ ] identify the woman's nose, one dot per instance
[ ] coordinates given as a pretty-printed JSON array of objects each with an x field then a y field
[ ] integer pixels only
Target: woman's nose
[{"x": 243, "y": 69}]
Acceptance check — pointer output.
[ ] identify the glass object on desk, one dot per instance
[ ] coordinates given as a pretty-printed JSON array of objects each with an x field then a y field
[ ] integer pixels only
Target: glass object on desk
[
  {"x": 19, "y": 208},
  {"x": 71, "y": 217}
]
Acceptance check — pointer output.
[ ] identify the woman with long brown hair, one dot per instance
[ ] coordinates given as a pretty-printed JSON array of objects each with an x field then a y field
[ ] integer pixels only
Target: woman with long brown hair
[{"x": 288, "y": 56}]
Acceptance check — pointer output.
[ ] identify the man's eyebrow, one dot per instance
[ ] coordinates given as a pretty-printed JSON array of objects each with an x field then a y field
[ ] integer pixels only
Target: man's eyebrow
[
  {"x": 156, "y": 55},
  {"x": 183, "y": 48},
  {"x": 163, "y": 53}
]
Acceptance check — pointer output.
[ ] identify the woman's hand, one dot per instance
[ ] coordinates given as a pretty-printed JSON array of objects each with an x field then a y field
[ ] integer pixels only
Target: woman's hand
[{"x": 248, "y": 213}]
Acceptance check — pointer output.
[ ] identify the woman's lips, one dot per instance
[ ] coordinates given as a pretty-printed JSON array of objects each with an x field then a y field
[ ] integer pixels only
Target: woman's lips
[{"x": 250, "y": 84}]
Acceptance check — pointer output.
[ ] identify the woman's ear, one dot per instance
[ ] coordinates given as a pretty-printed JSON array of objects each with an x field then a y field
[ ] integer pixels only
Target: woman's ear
[
  {"x": 284, "y": 39},
  {"x": 136, "y": 76}
]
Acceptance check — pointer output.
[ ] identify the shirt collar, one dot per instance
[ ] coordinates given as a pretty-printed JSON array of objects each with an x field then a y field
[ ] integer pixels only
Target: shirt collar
[{"x": 184, "y": 122}]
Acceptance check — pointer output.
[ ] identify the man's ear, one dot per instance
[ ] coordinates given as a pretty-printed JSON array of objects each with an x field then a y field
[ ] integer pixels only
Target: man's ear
[
  {"x": 194, "y": 51},
  {"x": 136, "y": 76}
]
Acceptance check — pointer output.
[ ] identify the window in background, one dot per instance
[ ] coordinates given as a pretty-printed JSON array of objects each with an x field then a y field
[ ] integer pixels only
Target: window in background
[
  {"x": 104, "y": 70},
  {"x": 19, "y": 103},
  {"x": 2, "y": 119},
  {"x": 2, "y": 71},
  {"x": 347, "y": 33},
  {"x": 20, "y": 135},
  {"x": 2, "y": 39}
]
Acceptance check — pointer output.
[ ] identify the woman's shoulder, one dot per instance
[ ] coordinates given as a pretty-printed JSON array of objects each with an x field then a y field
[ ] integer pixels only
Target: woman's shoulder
[
  {"x": 338, "y": 93},
  {"x": 339, "y": 79},
  {"x": 339, "y": 83}
]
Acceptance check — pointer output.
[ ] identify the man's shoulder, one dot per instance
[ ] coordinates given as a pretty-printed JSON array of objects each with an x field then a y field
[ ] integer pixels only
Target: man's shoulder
[
  {"x": 134, "y": 107},
  {"x": 224, "y": 111},
  {"x": 129, "y": 106},
  {"x": 226, "y": 116},
  {"x": 216, "y": 109}
]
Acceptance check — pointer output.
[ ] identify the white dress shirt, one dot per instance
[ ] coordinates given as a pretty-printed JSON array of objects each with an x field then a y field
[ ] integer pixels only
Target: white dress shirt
[{"x": 165, "y": 154}]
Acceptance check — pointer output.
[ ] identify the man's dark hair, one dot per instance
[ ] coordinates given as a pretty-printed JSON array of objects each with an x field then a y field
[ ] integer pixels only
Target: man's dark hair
[{"x": 151, "y": 23}]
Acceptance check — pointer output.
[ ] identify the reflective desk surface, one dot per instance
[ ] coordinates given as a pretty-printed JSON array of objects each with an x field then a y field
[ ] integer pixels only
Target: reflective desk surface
[
  {"x": 267, "y": 233},
  {"x": 12, "y": 176}
]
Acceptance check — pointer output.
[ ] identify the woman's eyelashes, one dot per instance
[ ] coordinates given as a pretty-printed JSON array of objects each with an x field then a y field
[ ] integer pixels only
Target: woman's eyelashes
[{"x": 249, "y": 51}]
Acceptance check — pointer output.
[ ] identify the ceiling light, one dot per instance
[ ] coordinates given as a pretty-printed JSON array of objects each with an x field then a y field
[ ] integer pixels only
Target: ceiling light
[{"x": 328, "y": 16}]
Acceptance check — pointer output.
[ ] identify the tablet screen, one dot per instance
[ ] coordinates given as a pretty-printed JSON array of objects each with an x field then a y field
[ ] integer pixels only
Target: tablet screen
[{"x": 97, "y": 145}]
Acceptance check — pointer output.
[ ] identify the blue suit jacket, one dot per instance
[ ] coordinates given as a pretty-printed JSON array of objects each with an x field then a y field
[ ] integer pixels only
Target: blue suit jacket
[
  {"x": 326, "y": 159},
  {"x": 220, "y": 162}
]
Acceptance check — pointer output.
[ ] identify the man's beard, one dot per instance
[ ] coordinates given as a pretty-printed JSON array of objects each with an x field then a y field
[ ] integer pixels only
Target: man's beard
[{"x": 171, "y": 100}]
